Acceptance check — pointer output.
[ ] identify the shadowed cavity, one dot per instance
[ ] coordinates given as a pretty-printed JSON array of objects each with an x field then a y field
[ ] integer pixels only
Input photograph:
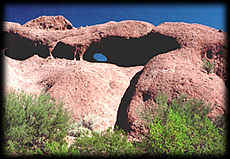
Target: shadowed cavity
[
  {"x": 132, "y": 51},
  {"x": 66, "y": 51},
  {"x": 122, "y": 116},
  {"x": 21, "y": 48}
]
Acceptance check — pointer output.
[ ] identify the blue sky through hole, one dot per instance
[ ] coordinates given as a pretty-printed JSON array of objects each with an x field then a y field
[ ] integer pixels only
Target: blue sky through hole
[
  {"x": 212, "y": 15},
  {"x": 100, "y": 57}
]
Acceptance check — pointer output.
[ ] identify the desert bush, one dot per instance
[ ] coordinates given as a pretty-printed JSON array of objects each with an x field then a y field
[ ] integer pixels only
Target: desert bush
[
  {"x": 184, "y": 129},
  {"x": 38, "y": 125},
  {"x": 107, "y": 143},
  {"x": 31, "y": 121},
  {"x": 208, "y": 66},
  {"x": 56, "y": 148}
]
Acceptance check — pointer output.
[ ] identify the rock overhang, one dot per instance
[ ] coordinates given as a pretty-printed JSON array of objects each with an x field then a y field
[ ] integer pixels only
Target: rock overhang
[
  {"x": 124, "y": 43},
  {"x": 131, "y": 51},
  {"x": 82, "y": 40},
  {"x": 121, "y": 42}
]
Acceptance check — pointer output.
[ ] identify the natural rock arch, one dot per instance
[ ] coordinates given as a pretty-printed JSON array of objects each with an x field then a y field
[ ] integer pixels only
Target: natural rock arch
[{"x": 133, "y": 51}]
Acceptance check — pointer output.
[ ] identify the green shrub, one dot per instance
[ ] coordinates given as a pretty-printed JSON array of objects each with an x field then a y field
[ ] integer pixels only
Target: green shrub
[
  {"x": 208, "y": 66},
  {"x": 31, "y": 121},
  {"x": 107, "y": 143},
  {"x": 57, "y": 148},
  {"x": 184, "y": 129},
  {"x": 37, "y": 125}
]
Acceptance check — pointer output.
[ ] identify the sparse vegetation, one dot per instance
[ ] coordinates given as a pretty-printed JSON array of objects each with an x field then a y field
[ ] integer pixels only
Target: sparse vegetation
[
  {"x": 38, "y": 125},
  {"x": 107, "y": 143},
  {"x": 30, "y": 122},
  {"x": 183, "y": 128},
  {"x": 208, "y": 66}
]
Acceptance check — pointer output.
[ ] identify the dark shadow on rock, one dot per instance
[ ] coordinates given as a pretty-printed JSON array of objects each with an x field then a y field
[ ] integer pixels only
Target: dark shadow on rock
[
  {"x": 62, "y": 50},
  {"x": 21, "y": 48},
  {"x": 17, "y": 47},
  {"x": 122, "y": 116},
  {"x": 42, "y": 51},
  {"x": 133, "y": 51},
  {"x": 95, "y": 47}
]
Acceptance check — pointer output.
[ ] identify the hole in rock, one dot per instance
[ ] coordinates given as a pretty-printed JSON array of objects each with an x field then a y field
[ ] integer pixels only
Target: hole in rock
[
  {"x": 47, "y": 84},
  {"x": 69, "y": 27},
  {"x": 62, "y": 50},
  {"x": 99, "y": 57},
  {"x": 132, "y": 51},
  {"x": 20, "y": 48},
  {"x": 146, "y": 96},
  {"x": 209, "y": 54}
]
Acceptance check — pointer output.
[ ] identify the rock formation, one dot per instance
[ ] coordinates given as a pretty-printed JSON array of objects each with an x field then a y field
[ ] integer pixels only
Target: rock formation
[
  {"x": 178, "y": 72},
  {"x": 181, "y": 72},
  {"x": 90, "y": 91},
  {"x": 143, "y": 60},
  {"x": 49, "y": 23},
  {"x": 32, "y": 39}
]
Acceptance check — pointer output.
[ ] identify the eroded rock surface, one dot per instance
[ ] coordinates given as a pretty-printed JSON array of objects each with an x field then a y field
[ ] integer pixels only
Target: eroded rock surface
[
  {"x": 174, "y": 74},
  {"x": 209, "y": 42},
  {"x": 181, "y": 72},
  {"x": 90, "y": 91},
  {"x": 49, "y": 23}
]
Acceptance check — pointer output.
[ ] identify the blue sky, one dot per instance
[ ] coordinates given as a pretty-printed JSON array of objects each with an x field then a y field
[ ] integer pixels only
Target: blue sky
[{"x": 213, "y": 15}]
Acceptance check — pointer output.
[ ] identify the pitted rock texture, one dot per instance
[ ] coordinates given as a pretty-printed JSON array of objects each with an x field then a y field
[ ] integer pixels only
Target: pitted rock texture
[
  {"x": 192, "y": 35},
  {"x": 90, "y": 91},
  {"x": 175, "y": 73},
  {"x": 180, "y": 72},
  {"x": 209, "y": 42},
  {"x": 49, "y": 23}
]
